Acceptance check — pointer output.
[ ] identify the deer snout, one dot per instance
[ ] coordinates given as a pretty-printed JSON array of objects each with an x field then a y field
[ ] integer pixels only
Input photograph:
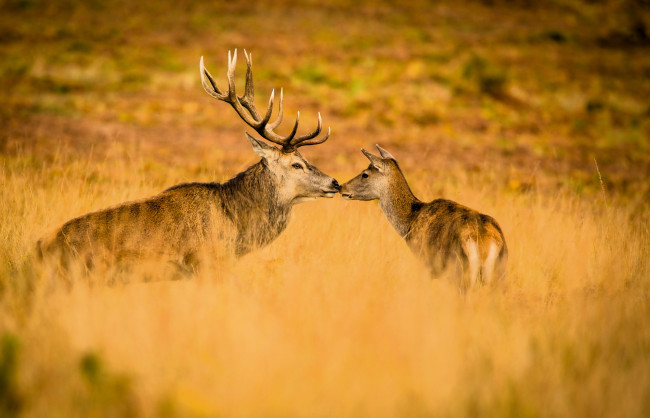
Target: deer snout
[
  {"x": 345, "y": 193},
  {"x": 331, "y": 189}
]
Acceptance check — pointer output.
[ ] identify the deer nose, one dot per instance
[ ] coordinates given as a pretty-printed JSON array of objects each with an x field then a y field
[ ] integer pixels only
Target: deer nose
[{"x": 336, "y": 184}]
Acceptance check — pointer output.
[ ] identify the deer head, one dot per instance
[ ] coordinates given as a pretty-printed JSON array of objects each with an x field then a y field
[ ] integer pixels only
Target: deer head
[
  {"x": 376, "y": 180},
  {"x": 298, "y": 180}
]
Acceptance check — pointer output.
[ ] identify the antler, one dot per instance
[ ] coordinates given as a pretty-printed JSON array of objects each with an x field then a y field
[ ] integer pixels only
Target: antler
[{"x": 245, "y": 108}]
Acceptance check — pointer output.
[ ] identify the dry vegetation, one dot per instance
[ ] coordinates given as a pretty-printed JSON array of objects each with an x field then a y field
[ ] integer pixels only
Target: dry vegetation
[{"x": 538, "y": 116}]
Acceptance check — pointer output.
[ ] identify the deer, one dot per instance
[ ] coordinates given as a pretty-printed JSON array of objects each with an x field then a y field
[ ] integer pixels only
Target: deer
[
  {"x": 451, "y": 238},
  {"x": 189, "y": 221}
]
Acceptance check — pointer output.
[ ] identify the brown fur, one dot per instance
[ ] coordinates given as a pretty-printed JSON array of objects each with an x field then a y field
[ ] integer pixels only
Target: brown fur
[{"x": 441, "y": 232}]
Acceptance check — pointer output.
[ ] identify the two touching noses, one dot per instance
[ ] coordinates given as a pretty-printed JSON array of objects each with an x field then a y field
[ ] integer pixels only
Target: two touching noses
[{"x": 341, "y": 188}]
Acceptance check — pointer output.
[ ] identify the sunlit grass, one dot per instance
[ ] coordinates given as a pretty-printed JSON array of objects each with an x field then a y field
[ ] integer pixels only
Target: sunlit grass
[
  {"x": 534, "y": 114},
  {"x": 336, "y": 317}
]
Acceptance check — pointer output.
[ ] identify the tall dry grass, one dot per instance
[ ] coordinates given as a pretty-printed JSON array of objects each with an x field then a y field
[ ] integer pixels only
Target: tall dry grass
[{"x": 335, "y": 318}]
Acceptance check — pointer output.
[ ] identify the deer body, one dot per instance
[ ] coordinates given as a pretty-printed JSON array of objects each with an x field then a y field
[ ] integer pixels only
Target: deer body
[
  {"x": 446, "y": 235},
  {"x": 190, "y": 221},
  {"x": 180, "y": 223}
]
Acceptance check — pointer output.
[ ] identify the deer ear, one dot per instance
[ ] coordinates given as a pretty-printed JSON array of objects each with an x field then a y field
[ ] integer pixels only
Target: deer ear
[
  {"x": 384, "y": 153},
  {"x": 376, "y": 162},
  {"x": 262, "y": 149}
]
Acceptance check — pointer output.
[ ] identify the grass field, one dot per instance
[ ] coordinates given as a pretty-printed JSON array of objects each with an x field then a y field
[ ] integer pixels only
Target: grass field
[{"x": 537, "y": 115}]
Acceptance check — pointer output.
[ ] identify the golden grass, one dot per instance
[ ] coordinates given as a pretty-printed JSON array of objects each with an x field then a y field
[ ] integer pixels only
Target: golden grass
[{"x": 335, "y": 318}]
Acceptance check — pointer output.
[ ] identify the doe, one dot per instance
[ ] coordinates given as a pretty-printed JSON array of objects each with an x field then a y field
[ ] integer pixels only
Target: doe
[{"x": 450, "y": 237}]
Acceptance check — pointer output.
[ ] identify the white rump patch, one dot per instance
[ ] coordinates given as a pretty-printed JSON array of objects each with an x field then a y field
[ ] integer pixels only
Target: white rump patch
[
  {"x": 471, "y": 247},
  {"x": 490, "y": 261}
]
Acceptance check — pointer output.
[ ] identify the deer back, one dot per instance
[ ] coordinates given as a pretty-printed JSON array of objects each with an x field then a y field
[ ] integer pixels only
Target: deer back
[{"x": 441, "y": 229}]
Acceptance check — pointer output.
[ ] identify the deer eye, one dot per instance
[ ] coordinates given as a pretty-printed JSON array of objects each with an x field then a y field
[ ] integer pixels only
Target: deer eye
[
  {"x": 364, "y": 175},
  {"x": 296, "y": 165}
]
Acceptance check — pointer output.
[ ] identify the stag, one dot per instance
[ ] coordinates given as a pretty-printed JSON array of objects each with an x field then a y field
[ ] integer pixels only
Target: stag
[
  {"x": 450, "y": 237},
  {"x": 189, "y": 221}
]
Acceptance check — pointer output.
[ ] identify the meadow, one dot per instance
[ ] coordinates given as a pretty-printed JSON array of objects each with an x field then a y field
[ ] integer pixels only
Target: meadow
[{"x": 535, "y": 114}]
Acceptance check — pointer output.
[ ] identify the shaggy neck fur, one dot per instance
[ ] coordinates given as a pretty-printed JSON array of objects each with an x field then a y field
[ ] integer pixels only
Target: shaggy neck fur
[{"x": 251, "y": 200}]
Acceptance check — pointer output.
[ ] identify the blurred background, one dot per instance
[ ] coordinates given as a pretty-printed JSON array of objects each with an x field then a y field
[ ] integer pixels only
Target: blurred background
[
  {"x": 535, "y": 112},
  {"x": 534, "y": 92}
]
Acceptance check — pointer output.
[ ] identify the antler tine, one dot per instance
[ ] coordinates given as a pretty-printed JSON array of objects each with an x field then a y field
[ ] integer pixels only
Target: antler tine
[
  {"x": 287, "y": 139},
  {"x": 315, "y": 141},
  {"x": 249, "y": 91},
  {"x": 267, "y": 116},
  {"x": 278, "y": 120},
  {"x": 232, "y": 63},
  {"x": 248, "y": 99},
  {"x": 209, "y": 85},
  {"x": 252, "y": 117},
  {"x": 310, "y": 135}
]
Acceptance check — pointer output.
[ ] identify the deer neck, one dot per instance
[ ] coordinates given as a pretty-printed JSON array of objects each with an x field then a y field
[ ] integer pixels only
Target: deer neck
[
  {"x": 251, "y": 201},
  {"x": 256, "y": 193},
  {"x": 399, "y": 204}
]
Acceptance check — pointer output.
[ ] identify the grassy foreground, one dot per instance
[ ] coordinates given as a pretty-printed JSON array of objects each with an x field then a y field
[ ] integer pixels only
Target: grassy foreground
[
  {"x": 336, "y": 318},
  {"x": 541, "y": 121}
]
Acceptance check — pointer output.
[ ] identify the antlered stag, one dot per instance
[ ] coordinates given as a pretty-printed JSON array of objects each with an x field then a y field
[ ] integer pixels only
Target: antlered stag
[
  {"x": 450, "y": 237},
  {"x": 189, "y": 221}
]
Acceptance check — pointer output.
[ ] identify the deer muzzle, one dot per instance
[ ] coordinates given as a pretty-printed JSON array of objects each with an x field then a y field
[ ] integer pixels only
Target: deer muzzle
[{"x": 333, "y": 189}]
